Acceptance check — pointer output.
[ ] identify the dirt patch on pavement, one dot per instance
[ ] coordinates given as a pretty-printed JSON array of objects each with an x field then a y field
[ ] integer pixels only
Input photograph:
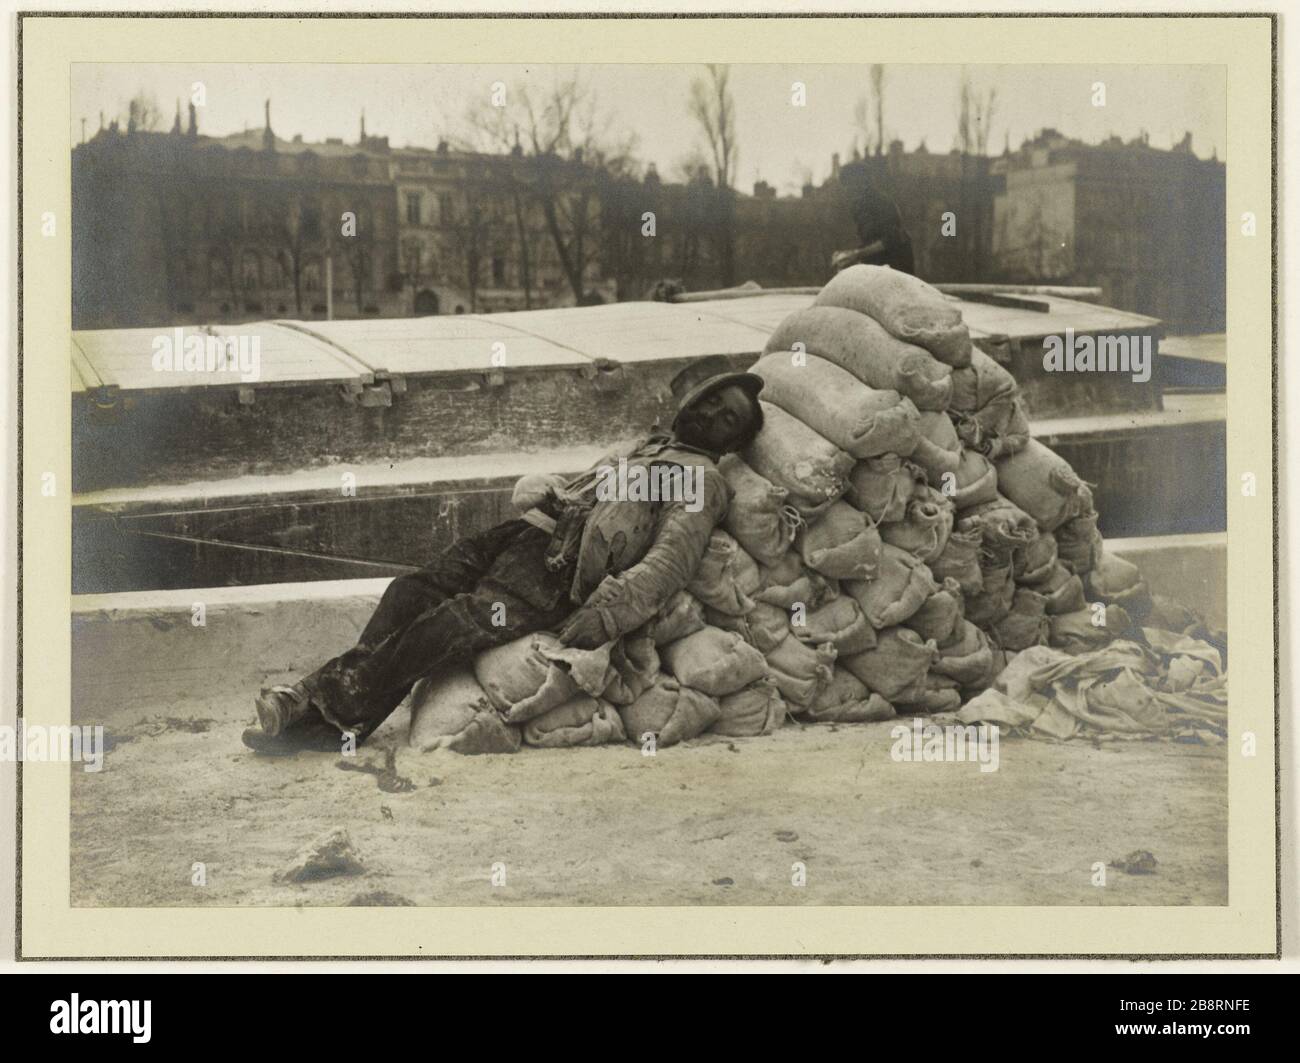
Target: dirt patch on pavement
[{"x": 715, "y": 821}]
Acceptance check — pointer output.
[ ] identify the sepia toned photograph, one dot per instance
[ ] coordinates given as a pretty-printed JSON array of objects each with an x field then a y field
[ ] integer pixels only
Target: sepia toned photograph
[{"x": 608, "y": 486}]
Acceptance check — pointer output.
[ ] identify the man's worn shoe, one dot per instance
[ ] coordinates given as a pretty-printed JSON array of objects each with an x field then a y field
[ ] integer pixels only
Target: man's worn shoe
[
  {"x": 313, "y": 736},
  {"x": 280, "y": 706}
]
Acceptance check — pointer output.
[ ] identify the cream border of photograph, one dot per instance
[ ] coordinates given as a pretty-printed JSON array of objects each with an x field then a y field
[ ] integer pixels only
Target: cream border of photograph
[{"x": 50, "y": 927}]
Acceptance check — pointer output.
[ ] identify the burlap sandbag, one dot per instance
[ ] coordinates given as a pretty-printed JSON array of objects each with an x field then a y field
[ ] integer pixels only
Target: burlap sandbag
[
  {"x": 906, "y": 306},
  {"x": 938, "y": 450},
  {"x": 635, "y": 668},
  {"x": 882, "y": 486},
  {"x": 726, "y": 576},
  {"x": 902, "y": 583},
  {"x": 1078, "y": 632},
  {"x": 758, "y": 517},
  {"x": 671, "y": 712},
  {"x": 1079, "y": 544},
  {"x": 681, "y": 615},
  {"x": 1063, "y": 590},
  {"x": 580, "y": 721},
  {"x": 1115, "y": 580},
  {"x": 789, "y": 583},
  {"x": 975, "y": 481},
  {"x": 800, "y": 671},
  {"x": 813, "y": 470},
  {"x": 454, "y": 713},
  {"x": 940, "y": 613},
  {"x": 1004, "y": 528},
  {"x": 841, "y": 544},
  {"x": 981, "y": 384},
  {"x": 1043, "y": 484},
  {"x": 859, "y": 420},
  {"x": 758, "y": 709},
  {"x": 966, "y": 657},
  {"x": 846, "y": 699},
  {"x": 924, "y": 531},
  {"x": 937, "y": 694},
  {"x": 768, "y": 626},
  {"x": 712, "y": 660},
  {"x": 522, "y": 678},
  {"x": 993, "y": 600},
  {"x": 860, "y": 346},
  {"x": 1026, "y": 624},
  {"x": 896, "y": 666},
  {"x": 839, "y": 622},
  {"x": 1036, "y": 562},
  {"x": 960, "y": 558}
]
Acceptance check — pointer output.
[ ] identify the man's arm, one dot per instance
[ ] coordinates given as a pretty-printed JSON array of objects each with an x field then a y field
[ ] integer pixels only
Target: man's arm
[{"x": 626, "y": 601}]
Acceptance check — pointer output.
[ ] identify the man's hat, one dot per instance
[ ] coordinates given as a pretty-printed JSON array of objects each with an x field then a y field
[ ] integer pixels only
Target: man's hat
[{"x": 705, "y": 376}]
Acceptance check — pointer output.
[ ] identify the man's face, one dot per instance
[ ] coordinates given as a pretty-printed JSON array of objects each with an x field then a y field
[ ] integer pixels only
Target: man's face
[{"x": 717, "y": 421}]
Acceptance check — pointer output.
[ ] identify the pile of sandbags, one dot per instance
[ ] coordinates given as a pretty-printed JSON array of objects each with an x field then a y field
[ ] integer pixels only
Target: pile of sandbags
[{"x": 894, "y": 540}]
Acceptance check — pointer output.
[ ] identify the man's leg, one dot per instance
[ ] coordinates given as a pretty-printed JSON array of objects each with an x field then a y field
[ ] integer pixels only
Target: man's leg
[
  {"x": 455, "y": 571},
  {"x": 516, "y": 597}
]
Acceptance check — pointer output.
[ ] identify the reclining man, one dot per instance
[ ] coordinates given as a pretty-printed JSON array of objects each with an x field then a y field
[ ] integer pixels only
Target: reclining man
[{"x": 578, "y": 562}]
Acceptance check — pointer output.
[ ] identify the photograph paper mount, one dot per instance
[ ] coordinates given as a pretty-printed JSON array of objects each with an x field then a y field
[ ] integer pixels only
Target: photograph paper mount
[{"x": 264, "y": 430}]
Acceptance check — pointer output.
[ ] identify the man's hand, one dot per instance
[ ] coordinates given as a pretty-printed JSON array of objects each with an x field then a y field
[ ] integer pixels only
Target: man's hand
[{"x": 584, "y": 630}]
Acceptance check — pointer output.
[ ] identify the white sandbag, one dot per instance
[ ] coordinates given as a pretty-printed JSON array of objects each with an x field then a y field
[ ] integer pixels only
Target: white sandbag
[
  {"x": 454, "y": 713},
  {"x": 966, "y": 657},
  {"x": 791, "y": 455},
  {"x": 882, "y": 486},
  {"x": 1080, "y": 631},
  {"x": 1036, "y": 562},
  {"x": 521, "y": 680},
  {"x": 859, "y": 420},
  {"x": 1005, "y": 528},
  {"x": 924, "y": 531},
  {"x": 1043, "y": 484},
  {"x": 997, "y": 591},
  {"x": 714, "y": 661},
  {"x": 906, "y": 306},
  {"x": 981, "y": 384},
  {"x": 800, "y": 671},
  {"x": 758, "y": 709},
  {"x": 768, "y": 626},
  {"x": 1026, "y": 624},
  {"x": 895, "y": 668},
  {"x": 846, "y": 699},
  {"x": 959, "y": 560},
  {"x": 669, "y": 711},
  {"x": 839, "y": 622},
  {"x": 681, "y": 615},
  {"x": 1079, "y": 544},
  {"x": 975, "y": 480},
  {"x": 634, "y": 664},
  {"x": 758, "y": 517},
  {"x": 938, "y": 449},
  {"x": 902, "y": 583},
  {"x": 1063, "y": 590},
  {"x": 726, "y": 576},
  {"x": 789, "y": 583},
  {"x": 940, "y": 613},
  {"x": 861, "y": 346},
  {"x": 580, "y": 721},
  {"x": 841, "y": 543},
  {"x": 1116, "y": 581}
]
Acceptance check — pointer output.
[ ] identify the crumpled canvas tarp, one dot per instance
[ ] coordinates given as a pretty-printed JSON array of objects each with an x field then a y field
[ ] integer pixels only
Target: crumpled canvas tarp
[{"x": 1172, "y": 686}]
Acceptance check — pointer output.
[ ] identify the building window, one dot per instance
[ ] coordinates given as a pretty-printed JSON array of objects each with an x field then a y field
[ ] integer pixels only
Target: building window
[
  {"x": 311, "y": 276},
  {"x": 499, "y": 271},
  {"x": 413, "y": 208},
  {"x": 446, "y": 209},
  {"x": 250, "y": 272}
]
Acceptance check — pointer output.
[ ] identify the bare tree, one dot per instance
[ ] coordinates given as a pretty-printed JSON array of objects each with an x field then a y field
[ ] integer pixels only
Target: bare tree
[
  {"x": 565, "y": 152},
  {"x": 974, "y": 117},
  {"x": 713, "y": 107},
  {"x": 869, "y": 113},
  {"x": 143, "y": 112}
]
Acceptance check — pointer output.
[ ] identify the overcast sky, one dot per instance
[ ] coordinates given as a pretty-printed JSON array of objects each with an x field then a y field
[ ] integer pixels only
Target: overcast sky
[{"x": 782, "y": 143}]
